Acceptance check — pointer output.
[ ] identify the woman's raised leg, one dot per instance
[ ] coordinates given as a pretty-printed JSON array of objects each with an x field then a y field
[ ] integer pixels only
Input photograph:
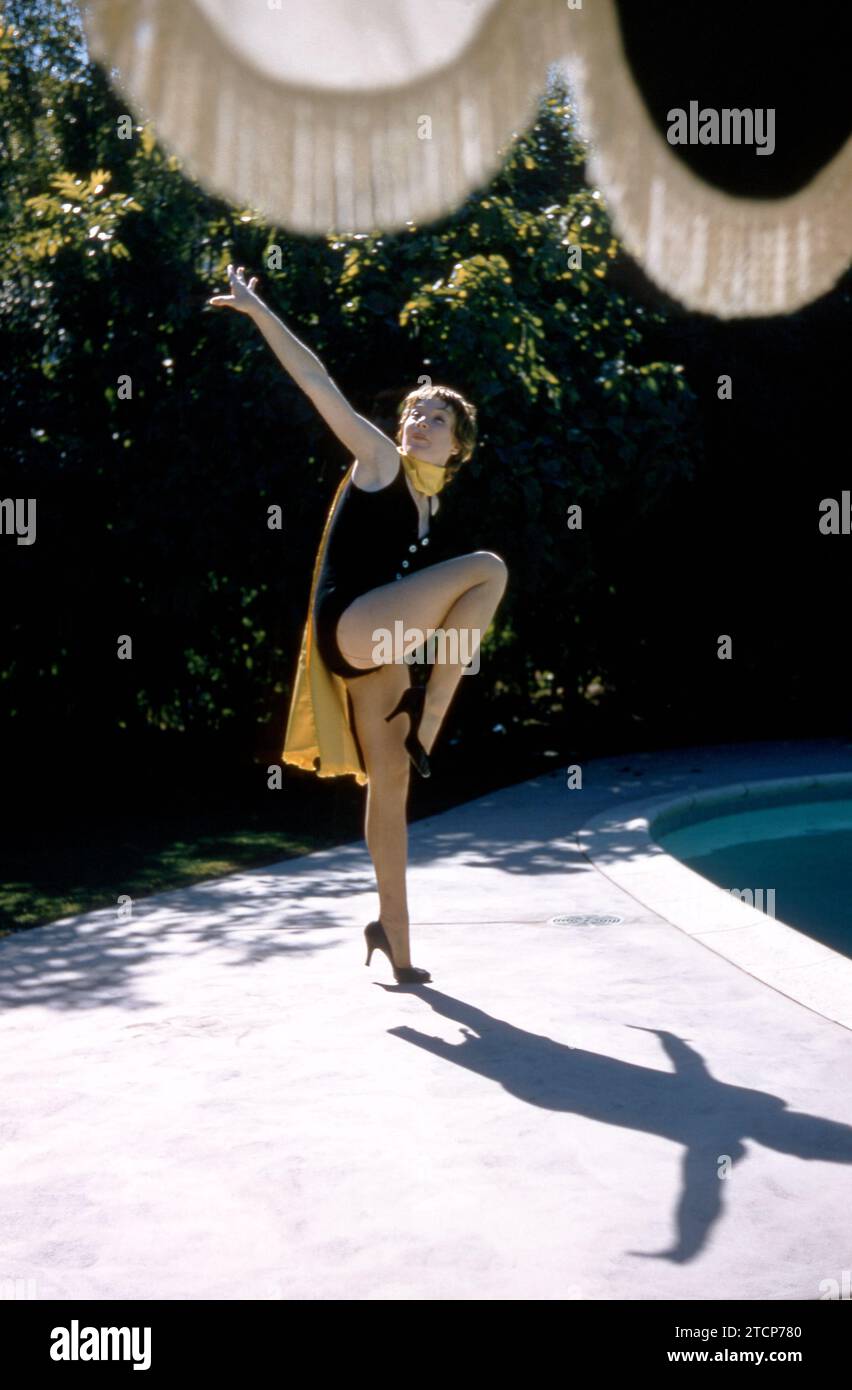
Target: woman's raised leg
[
  {"x": 459, "y": 596},
  {"x": 472, "y": 612}
]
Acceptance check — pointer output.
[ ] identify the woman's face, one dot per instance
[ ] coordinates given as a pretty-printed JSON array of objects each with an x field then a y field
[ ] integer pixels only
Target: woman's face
[{"x": 428, "y": 432}]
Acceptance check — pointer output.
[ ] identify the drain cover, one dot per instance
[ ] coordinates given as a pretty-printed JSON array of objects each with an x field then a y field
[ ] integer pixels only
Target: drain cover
[{"x": 584, "y": 919}]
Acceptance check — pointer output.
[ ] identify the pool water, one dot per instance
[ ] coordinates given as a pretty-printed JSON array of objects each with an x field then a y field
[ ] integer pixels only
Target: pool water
[{"x": 802, "y": 850}]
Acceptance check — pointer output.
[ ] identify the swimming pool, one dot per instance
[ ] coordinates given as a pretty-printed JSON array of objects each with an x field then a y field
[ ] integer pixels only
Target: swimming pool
[
  {"x": 785, "y": 848},
  {"x": 804, "y": 950}
]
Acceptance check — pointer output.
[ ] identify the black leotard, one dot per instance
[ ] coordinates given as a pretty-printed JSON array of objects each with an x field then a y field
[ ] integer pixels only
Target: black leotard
[{"x": 372, "y": 541}]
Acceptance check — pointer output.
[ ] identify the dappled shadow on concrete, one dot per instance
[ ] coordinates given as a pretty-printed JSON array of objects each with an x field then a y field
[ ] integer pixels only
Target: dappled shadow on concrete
[
  {"x": 101, "y": 959},
  {"x": 710, "y": 1119},
  {"x": 527, "y": 830}
]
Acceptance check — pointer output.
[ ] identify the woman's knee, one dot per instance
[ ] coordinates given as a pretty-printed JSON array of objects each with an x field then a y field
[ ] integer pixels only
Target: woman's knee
[
  {"x": 385, "y": 758},
  {"x": 493, "y": 566},
  {"x": 389, "y": 775}
]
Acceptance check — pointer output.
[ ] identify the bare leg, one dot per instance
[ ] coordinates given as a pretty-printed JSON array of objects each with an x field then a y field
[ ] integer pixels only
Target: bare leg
[
  {"x": 387, "y": 767},
  {"x": 463, "y": 593},
  {"x": 474, "y": 611}
]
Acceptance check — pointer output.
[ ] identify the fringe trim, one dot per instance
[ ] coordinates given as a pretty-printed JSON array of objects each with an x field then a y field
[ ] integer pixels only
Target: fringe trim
[
  {"x": 716, "y": 253},
  {"x": 318, "y": 161}
]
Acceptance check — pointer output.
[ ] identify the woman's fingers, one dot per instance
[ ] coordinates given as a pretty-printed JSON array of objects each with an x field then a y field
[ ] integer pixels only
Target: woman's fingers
[{"x": 236, "y": 277}]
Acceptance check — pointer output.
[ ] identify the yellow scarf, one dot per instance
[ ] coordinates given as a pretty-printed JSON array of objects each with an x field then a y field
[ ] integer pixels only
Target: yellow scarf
[{"x": 320, "y": 735}]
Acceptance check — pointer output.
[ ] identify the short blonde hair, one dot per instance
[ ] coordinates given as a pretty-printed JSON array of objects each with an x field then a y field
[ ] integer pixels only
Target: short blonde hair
[{"x": 464, "y": 421}]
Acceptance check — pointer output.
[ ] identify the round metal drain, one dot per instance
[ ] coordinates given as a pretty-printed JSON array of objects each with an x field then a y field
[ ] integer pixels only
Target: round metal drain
[{"x": 584, "y": 919}]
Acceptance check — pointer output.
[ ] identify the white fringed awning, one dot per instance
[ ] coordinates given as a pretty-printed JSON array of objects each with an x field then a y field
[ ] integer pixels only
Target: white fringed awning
[{"x": 361, "y": 115}]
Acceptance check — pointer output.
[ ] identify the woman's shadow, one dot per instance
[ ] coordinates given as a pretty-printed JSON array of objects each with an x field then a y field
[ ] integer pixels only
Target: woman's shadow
[{"x": 687, "y": 1105}]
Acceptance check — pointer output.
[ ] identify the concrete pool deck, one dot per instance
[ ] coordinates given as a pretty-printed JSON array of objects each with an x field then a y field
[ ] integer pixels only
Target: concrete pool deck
[{"x": 215, "y": 1099}]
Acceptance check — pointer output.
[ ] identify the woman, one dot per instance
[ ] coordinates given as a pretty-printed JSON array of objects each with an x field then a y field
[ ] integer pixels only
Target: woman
[{"x": 369, "y": 582}]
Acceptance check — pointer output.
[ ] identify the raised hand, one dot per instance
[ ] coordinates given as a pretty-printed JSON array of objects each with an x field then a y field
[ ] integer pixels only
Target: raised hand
[{"x": 242, "y": 296}]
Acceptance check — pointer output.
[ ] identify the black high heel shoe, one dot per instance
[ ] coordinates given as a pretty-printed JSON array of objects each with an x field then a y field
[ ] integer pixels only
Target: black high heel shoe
[
  {"x": 411, "y": 703},
  {"x": 377, "y": 940}
]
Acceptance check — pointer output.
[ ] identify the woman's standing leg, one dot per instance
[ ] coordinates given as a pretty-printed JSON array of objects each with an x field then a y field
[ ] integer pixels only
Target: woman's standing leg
[{"x": 387, "y": 767}]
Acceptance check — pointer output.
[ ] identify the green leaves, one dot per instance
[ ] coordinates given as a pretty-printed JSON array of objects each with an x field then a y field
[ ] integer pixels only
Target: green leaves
[
  {"x": 79, "y": 214},
  {"x": 512, "y": 299}
]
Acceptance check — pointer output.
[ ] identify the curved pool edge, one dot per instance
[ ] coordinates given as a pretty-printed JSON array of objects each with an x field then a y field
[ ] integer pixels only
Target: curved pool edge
[{"x": 619, "y": 844}]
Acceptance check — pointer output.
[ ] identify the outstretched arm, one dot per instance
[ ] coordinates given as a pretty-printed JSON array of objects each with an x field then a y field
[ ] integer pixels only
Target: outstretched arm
[{"x": 370, "y": 445}]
